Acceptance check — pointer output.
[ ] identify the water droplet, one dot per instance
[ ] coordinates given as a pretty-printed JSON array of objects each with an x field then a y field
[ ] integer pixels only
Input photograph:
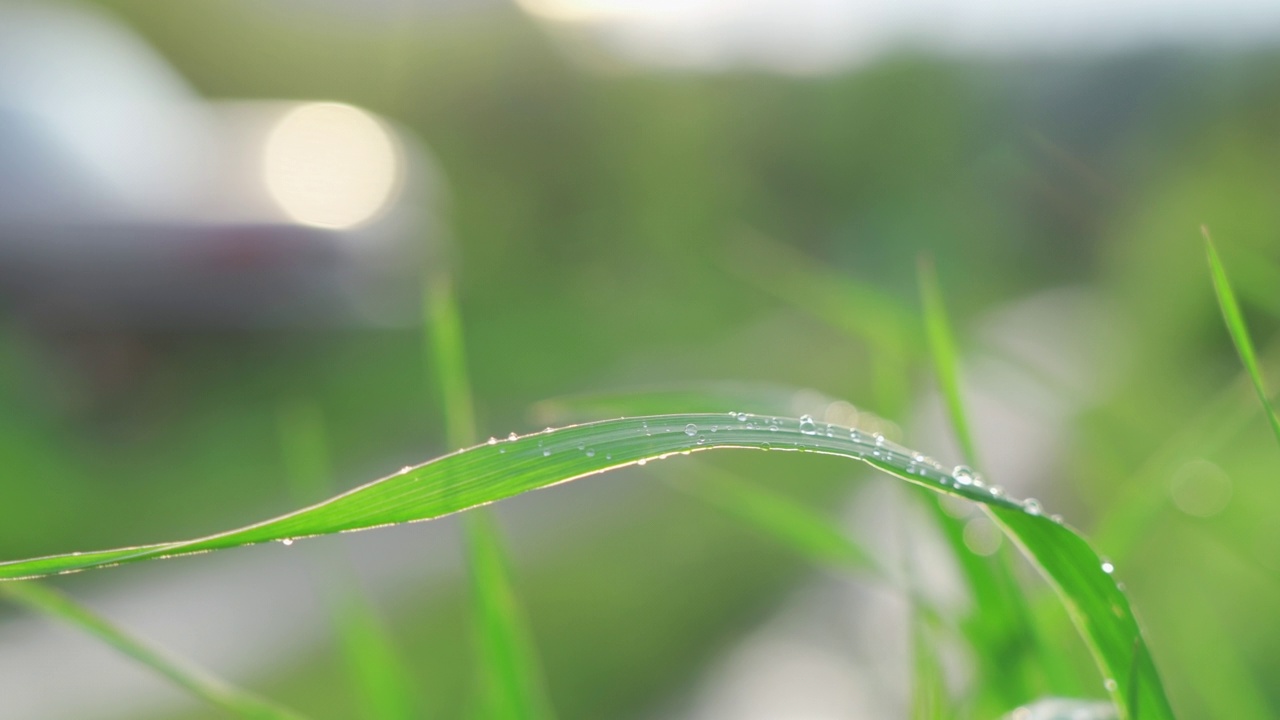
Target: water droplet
[
  {"x": 405, "y": 469},
  {"x": 1056, "y": 518},
  {"x": 996, "y": 491},
  {"x": 766, "y": 447},
  {"x": 807, "y": 426},
  {"x": 702, "y": 440},
  {"x": 641, "y": 461},
  {"x": 962, "y": 474},
  {"x": 1031, "y": 506},
  {"x": 493, "y": 440},
  {"x": 286, "y": 541},
  {"x": 502, "y": 451},
  {"x": 879, "y": 437},
  {"x": 608, "y": 456},
  {"x": 645, "y": 426},
  {"x": 690, "y": 429},
  {"x": 591, "y": 453},
  {"x": 513, "y": 436},
  {"x": 918, "y": 457},
  {"x": 773, "y": 427},
  {"x": 546, "y": 452},
  {"x": 855, "y": 436},
  {"x": 742, "y": 417},
  {"x": 1110, "y": 685},
  {"x": 1107, "y": 567}
]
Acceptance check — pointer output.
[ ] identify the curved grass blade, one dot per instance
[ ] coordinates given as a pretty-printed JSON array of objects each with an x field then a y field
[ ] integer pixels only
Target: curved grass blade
[
  {"x": 53, "y": 603},
  {"x": 1235, "y": 325},
  {"x": 500, "y": 469}
]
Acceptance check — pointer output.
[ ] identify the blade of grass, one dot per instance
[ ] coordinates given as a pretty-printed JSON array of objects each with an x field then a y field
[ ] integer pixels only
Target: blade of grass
[
  {"x": 58, "y": 605},
  {"x": 381, "y": 679},
  {"x": 1234, "y": 320},
  {"x": 791, "y": 523},
  {"x": 942, "y": 350},
  {"x": 929, "y": 699},
  {"x": 511, "y": 685},
  {"x": 1012, "y": 629},
  {"x": 502, "y": 468}
]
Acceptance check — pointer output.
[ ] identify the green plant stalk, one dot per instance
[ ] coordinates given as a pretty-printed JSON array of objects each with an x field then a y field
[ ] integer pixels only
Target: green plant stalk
[
  {"x": 380, "y": 676},
  {"x": 511, "y": 683},
  {"x": 992, "y": 581},
  {"x": 942, "y": 350},
  {"x": 1234, "y": 320},
  {"x": 57, "y": 605}
]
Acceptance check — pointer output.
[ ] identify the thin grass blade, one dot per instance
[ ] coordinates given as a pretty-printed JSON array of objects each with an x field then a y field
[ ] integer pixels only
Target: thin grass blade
[
  {"x": 793, "y": 524},
  {"x": 57, "y": 605},
  {"x": 942, "y": 350},
  {"x": 380, "y": 676},
  {"x": 1004, "y": 621},
  {"x": 511, "y": 683},
  {"x": 1234, "y": 320}
]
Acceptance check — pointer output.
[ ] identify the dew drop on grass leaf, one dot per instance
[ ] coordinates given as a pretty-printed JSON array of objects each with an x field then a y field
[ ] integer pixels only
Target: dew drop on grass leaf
[
  {"x": 807, "y": 426},
  {"x": 742, "y": 417},
  {"x": 1107, "y": 567},
  {"x": 286, "y": 541},
  {"x": 963, "y": 475},
  {"x": 690, "y": 429},
  {"x": 512, "y": 436},
  {"x": 1031, "y": 506}
]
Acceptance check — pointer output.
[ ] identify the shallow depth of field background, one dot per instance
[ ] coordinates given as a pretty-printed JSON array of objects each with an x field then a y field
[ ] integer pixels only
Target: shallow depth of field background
[{"x": 630, "y": 200}]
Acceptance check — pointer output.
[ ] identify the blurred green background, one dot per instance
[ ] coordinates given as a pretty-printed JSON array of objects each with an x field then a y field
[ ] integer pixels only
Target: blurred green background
[{"x": 626, "y": 227}]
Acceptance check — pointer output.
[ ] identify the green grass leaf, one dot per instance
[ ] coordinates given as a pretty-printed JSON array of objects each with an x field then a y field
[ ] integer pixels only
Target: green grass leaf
[
  {"x": 57, "y": 605},
  {"x": 942, "y": 349},
  {"x": 793, "y": 524},
  {"x": 380, "y": 676},
  {"x": 499, "y": 469},
  {"x": 511, "y": 683},
  {"x": 1235, "y": 326},
  {"x": 1003, "y": 632}
]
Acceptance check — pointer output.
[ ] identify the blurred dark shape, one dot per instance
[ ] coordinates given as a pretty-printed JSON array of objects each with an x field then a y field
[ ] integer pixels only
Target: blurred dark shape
[{"x": 127, "y": 202}]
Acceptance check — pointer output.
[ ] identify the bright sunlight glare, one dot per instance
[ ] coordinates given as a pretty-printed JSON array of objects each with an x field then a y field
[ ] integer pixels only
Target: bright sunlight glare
[{"x": 331, "y": 165}]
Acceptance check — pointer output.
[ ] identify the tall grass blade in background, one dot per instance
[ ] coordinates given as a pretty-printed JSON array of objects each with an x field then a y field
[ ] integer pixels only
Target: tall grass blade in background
[
  {"x": 1004, "y": 618},
  {"x": 502, "y": 468},
  {"x": 1235, "y": 325},
  {"x": 381, "y": 679},
  {"x": 804, "y": 530},
  {"x": 511, "y": 684},
  {"x": 942, "y": 350},
  {"x": 57, "y": 605}
]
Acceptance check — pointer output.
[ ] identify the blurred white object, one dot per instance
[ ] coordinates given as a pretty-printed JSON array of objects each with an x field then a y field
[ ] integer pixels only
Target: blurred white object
[
  {"x": 128, "y": 201},
  {"x": 810, "y": 36}
]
